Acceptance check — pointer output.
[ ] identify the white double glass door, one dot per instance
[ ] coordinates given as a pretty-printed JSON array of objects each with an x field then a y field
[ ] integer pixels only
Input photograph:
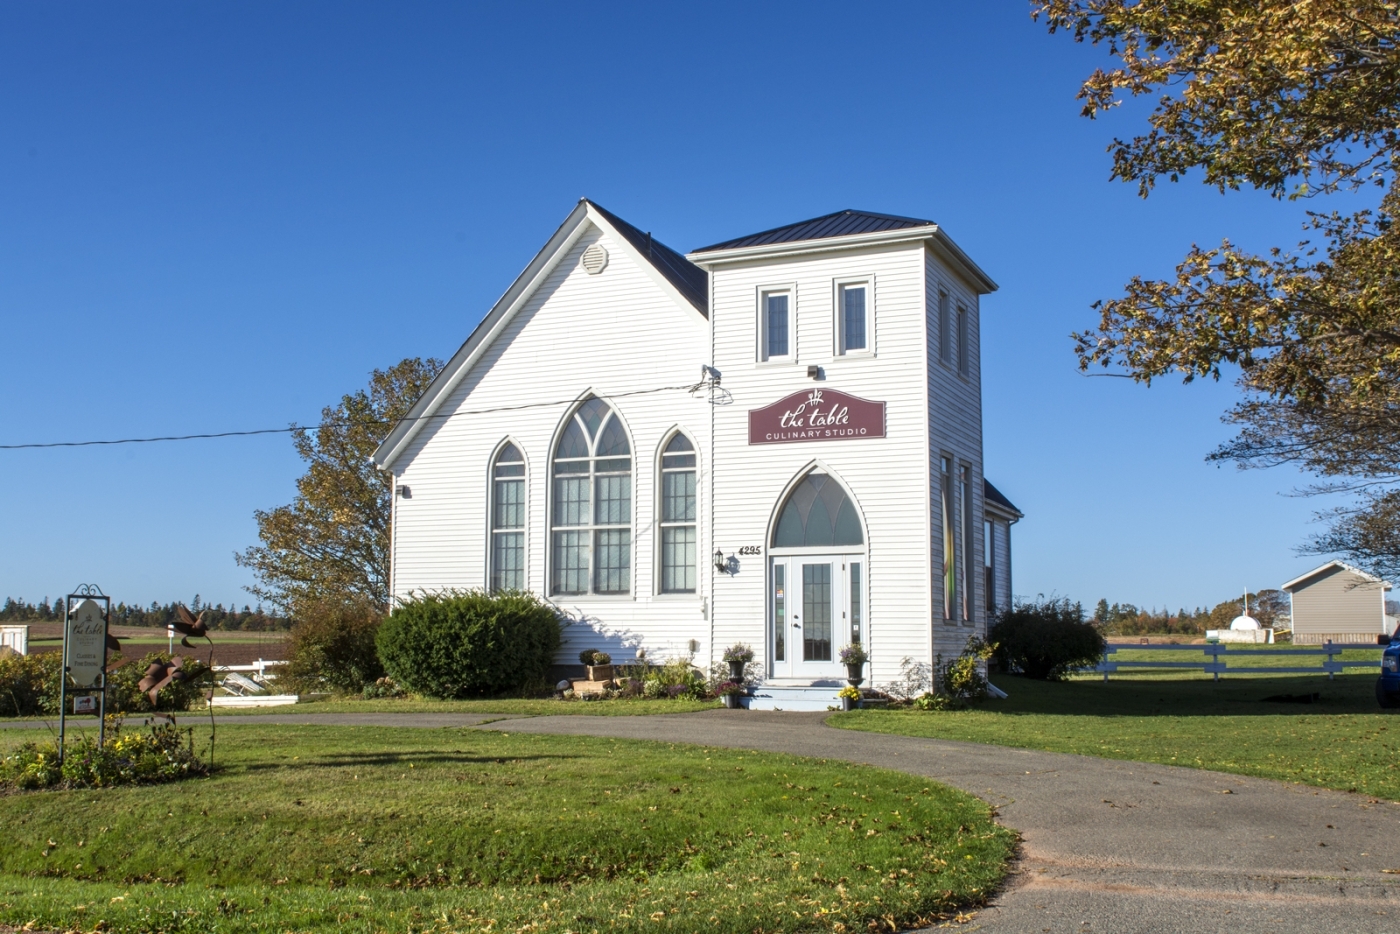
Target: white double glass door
[{"x": 816, "y": 607}]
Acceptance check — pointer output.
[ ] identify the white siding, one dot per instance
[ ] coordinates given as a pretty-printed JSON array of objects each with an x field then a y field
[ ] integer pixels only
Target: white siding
[
  {"x": 612, "y": 334},
  {"x": 1340, "y": 605},
  {"x": 955, "y": 428},
  {"x": 887, "y": 477}
]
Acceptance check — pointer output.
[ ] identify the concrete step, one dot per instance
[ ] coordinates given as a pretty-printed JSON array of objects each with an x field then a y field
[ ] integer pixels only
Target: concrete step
[{"x": 792, "y": 697}]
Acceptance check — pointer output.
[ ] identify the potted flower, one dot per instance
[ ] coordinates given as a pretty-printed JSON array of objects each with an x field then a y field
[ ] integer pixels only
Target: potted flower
[
  {"x": 598, "y": 664},
  {"x": 850, "y": 697},
  {"x": 853, "y": 657},
  {"x": 737, "y": 656},
  {"x": 731, "y": 691}
]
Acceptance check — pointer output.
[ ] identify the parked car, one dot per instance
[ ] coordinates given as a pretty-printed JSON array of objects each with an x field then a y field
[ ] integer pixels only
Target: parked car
[{"x": 1388, "y": 684}]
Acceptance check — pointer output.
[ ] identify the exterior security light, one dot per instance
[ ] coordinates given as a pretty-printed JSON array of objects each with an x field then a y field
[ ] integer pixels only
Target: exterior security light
[
  {"x": 814, "y": 371},
  {"x": 721, "y": 563}
]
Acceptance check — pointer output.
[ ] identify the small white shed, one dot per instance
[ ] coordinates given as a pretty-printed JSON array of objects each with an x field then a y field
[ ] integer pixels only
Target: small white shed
[
  {"x": 1337, "y": 603},
  {"x": 16, "y": 638}
]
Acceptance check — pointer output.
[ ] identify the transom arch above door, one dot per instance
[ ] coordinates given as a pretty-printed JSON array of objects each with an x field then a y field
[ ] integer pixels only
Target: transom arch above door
[{"x": 818, "y": 513}]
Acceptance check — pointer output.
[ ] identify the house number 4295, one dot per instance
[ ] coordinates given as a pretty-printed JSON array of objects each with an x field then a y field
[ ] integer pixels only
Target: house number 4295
[{"x": 751, "y": 550}]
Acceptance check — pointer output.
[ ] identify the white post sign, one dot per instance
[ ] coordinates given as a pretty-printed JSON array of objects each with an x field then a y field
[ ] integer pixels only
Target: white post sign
[{"x": 87, "y": 644}]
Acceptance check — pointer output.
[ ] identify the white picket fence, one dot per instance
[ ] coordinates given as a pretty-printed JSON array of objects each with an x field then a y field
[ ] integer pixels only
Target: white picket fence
[{"x": 1216, "y": 662}]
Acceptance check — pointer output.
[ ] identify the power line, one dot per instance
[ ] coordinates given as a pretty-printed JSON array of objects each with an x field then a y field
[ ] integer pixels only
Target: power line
[{"x": 292, "y": 428}]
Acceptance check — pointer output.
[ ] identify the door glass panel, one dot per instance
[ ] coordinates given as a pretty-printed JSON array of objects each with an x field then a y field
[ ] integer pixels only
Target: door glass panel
[
  {"x": 855, "y": 601},
  {"x": 779, "y": 613},
  {"x": 816, "y": 612}
]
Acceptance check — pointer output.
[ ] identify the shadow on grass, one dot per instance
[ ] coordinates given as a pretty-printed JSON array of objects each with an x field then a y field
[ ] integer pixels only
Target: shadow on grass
[
  {"x": 357, "y": 759},
  {"x": 1187, "y": 697}
]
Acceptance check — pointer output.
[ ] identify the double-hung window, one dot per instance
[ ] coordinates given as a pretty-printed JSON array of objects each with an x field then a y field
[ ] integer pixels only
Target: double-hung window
[
  {"x": 964, "y": 343},
  {"x": 678, "y": 534},
  {"x": 776, "y": 337},
  {"x": 853, "y": 330},
  {"x": 945, "y": 329},
  {"x": 950, "y": 576},
  {"x": 508, "y": 520},
  {"x": 591, "y": 518},
  {"x": 989, "y": 563}
]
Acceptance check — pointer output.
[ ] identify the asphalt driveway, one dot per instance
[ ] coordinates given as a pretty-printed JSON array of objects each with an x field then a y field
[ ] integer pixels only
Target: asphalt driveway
[{"x": 1107, "y": 845}]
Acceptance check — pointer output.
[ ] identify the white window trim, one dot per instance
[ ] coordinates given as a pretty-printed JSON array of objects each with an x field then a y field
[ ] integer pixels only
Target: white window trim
[
  {"x": 700, "y": 562},
  {"x": 838, "y": 317},
  {"x": 491, "y": 509},
  {"x": 761, "y": 324}
]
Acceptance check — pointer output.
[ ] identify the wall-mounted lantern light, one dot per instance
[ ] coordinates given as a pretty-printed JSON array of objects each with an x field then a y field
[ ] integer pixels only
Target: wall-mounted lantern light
[{"x": 721, "y": 562}]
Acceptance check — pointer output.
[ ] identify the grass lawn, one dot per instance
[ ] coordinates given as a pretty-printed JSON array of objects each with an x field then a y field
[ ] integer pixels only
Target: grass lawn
[
  {"x": 530, "y": 706},
  {"x": 1344, "y": 741},
  {"x": 318, "y": 828}
]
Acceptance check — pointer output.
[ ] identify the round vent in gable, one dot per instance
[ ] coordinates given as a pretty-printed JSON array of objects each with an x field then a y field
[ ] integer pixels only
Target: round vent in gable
[{"x": 594, "y": 259}]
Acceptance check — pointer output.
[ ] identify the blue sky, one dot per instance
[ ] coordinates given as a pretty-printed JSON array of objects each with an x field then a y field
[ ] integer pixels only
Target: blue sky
[{"x": 223, "y": 216}]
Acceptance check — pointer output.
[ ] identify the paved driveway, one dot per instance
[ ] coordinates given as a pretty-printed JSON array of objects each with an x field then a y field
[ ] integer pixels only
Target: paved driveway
[{"x": 1108, "y": 845}]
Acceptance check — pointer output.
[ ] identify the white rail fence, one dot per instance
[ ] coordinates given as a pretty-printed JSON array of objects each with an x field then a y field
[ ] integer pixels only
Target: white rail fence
[{"x": 1216, "y": 662}]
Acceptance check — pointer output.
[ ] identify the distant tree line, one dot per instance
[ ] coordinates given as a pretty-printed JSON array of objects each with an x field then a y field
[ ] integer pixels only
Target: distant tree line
[
  {"x": 1270, "y": 607},
  {"x": 157, "y": 615}
]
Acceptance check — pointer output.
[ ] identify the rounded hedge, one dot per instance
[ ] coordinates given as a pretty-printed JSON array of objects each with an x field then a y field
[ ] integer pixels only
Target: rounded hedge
[
  {"x": 1045, "y": 640},
  {"x": 469, "y": 644}
]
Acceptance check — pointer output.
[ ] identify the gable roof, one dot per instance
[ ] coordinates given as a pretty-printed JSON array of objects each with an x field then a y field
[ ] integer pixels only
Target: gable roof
[
  {"x": 1304, "y": 578},
  {"x": 839, "y": 224},
  {"x": 672, "y": 277},
  {"x": 992, "y": 495},
  {"x": 689, "y": 279}
]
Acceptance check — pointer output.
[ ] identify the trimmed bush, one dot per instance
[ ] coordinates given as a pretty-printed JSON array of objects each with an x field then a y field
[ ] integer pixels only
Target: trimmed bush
[
  {"x": 470, "y": 643},
  {"x": 29, "y": 684},
  {"x": 333, "y": 648},
  {"x": 1045, "y": 639}
]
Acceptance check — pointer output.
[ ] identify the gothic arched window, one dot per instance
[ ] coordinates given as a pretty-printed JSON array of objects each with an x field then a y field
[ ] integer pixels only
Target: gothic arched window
[
  {"x": 818, "y": 513},
  {"x": 678, "y": 533},
  {"x": 591, "y": 519}
]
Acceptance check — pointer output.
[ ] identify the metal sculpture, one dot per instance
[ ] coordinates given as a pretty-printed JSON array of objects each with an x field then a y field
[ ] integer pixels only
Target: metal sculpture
[
  {"x": 161, "y": 674},
  {"x": 188, "y": 625}
]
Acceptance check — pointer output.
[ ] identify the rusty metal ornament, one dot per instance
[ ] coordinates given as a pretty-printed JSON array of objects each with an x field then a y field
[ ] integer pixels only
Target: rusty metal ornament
[
  {"x": 188, "y": 625},
  {"x": 161, "y": 674}
]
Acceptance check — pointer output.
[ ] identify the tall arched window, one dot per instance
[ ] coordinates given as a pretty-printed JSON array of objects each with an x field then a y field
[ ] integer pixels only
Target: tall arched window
[
  {"x": 508, "y": 520},
  {"x": 818, "y": 513},
  {"x": 591, "y": 522},
  {"x": 678, "y": 537}
]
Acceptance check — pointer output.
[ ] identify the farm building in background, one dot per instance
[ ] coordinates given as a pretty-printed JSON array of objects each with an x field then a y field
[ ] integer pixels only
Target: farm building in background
[{"x": 1338, "y": 603}]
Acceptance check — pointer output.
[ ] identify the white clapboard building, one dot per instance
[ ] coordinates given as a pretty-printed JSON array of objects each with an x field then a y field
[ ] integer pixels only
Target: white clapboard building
[{"x": 775, "y": 440}]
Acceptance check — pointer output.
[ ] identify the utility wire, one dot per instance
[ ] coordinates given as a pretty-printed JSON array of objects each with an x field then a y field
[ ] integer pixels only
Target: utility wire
[{"x": 292, "y": 428}]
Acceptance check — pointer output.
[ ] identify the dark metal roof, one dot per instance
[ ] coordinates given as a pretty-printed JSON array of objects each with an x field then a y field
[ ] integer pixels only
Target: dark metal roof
[
  {"x": 689, "y": 279},
  {"x": 840, "y": 224},
  {"x": 992, "y": 493}
]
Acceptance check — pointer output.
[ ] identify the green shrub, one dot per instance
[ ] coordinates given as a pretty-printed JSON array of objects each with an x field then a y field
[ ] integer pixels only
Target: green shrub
[
  {"x": 125, "y": 696},
  {"x": 469, "y": 643},
  {"x": 162, "y": 754},
  {"x": 332, "y": 648},
  {"x": 1045, "y": 639},
  {"x": 29, "y": 684}
]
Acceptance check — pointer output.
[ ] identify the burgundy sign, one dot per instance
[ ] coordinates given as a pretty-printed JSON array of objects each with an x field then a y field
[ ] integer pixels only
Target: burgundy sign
[{"x": 817, "y": 415}]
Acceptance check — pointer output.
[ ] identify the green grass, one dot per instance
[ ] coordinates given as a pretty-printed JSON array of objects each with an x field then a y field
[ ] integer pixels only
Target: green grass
[
  {"x": 533, "y": 707},
  {"x": 315, "y": 828},
  {"x": 1342, "y": 742}
]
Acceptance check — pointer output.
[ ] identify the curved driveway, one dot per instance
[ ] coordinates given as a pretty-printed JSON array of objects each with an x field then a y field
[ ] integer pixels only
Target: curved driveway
[{"x": 1107, "y": 845}]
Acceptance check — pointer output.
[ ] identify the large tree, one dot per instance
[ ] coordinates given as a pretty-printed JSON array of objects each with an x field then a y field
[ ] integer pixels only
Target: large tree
[
  {"x": 332, "y": 542},
  {"x": 1298, "y": 98}
]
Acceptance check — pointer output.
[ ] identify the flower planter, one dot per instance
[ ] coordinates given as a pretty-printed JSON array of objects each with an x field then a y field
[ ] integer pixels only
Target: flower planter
[
  {"x": 731, "y": 701},
  {"x": 849, "y": 703},
  {"x": 599, "y": 672},
  {"x": 736, "y": 671},
  {"x": 853, "y": 675}
]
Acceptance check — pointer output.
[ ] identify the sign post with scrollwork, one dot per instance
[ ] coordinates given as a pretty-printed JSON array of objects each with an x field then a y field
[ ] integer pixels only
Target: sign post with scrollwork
[{"x": 86, "y": 614}]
